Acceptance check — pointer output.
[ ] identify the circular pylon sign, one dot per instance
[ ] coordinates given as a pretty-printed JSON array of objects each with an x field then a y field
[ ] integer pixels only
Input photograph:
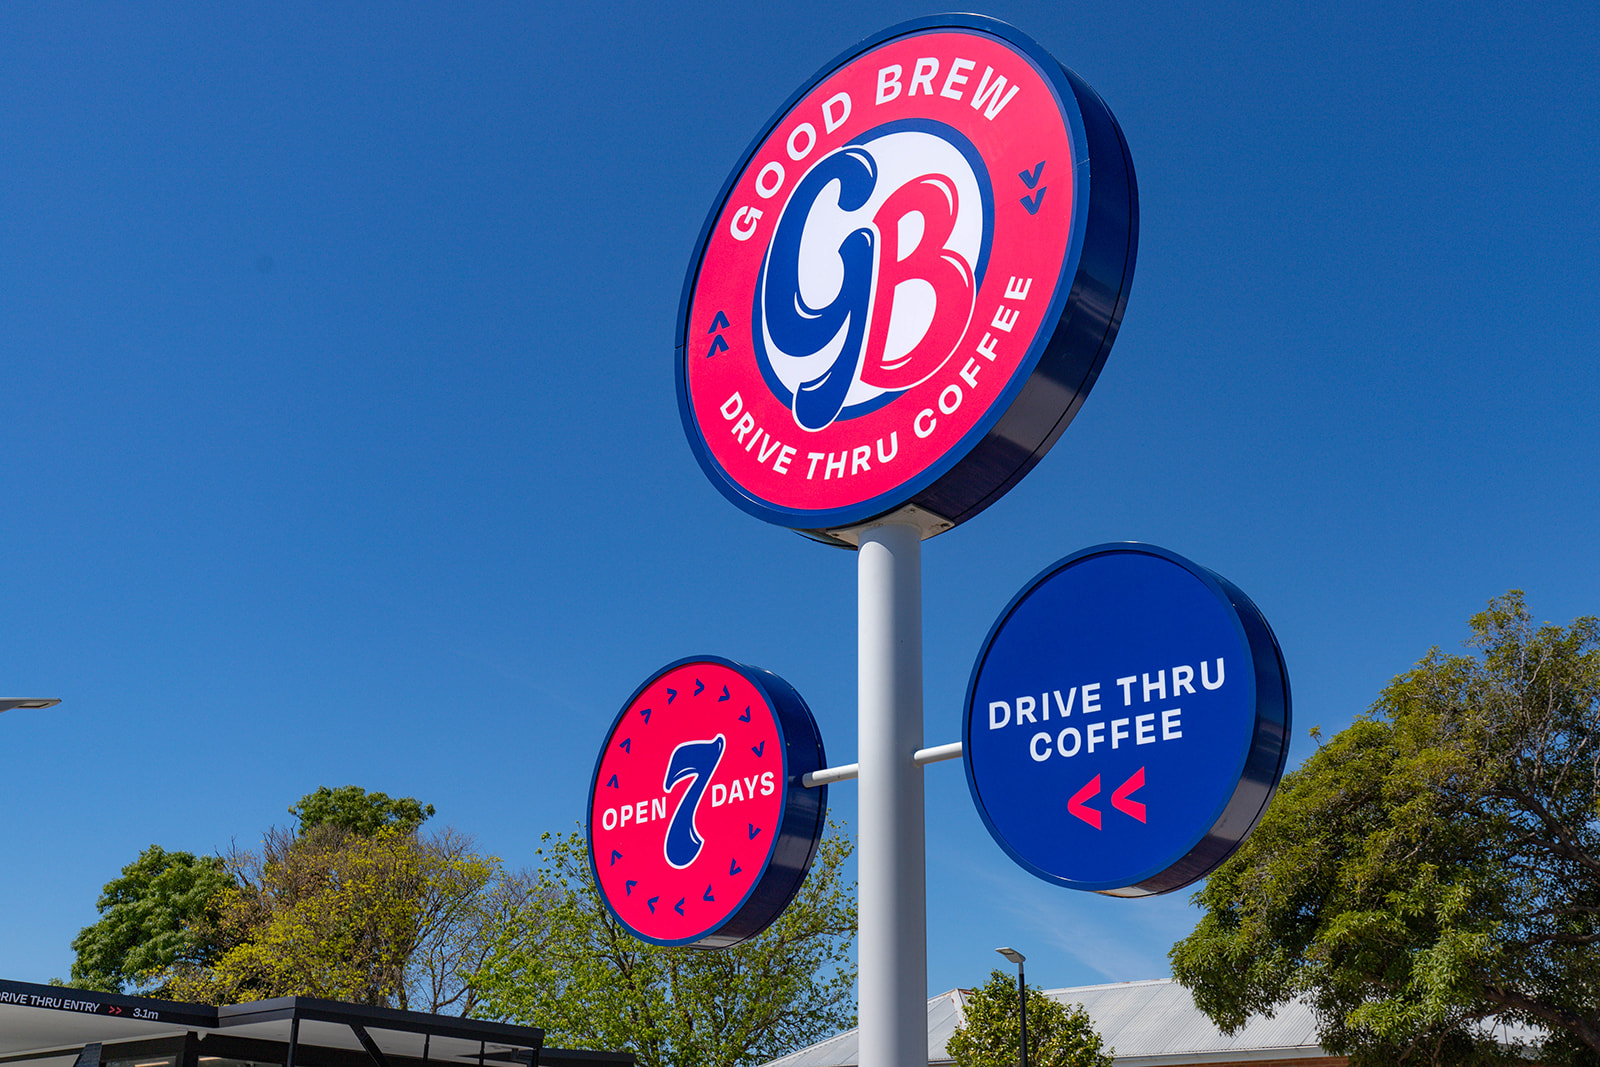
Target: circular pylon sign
[
  {"x": 1127, "y": 722},
  {"x": 908, "y": 284},
  {"x": 700, "y": 831}
]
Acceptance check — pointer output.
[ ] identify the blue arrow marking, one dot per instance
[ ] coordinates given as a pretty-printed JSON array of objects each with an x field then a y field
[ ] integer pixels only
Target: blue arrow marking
[
  {"x": 678, "y": 907},
  {"x": 698, "y": 686},
  {"x": 1032, "y": 202},
  {"x": 628, "y": 888},
  {"x": 613, "y": 782},
  {"x": 646, "y": 713},
  {"x": 717, "y": 345},
  {"x": 1031, "y": 178},
  {"x": 626, "y": 745},
  {"x": 672, "y": 694},
  {"x": 754, "y": 830},
  {"x": 721, "y": 321},
  {"x": 615, "y": 856},
  {"x": 708, "y": 895},
  {"x": 733, "y": 868},
  {"x": 651, "y": 904},
  {"x": 759, "y": 749},
  {"x": 724, "y": 695},
  {"x": 746, "y": 716}
]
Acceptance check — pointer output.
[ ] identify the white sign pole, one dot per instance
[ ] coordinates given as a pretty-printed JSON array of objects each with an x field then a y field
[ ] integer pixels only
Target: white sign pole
[{"x": 892, "y": 951}]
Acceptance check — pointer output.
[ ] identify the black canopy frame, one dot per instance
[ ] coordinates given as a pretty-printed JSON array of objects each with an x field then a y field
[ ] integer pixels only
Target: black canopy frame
[{"x": 55, "y": 1026}]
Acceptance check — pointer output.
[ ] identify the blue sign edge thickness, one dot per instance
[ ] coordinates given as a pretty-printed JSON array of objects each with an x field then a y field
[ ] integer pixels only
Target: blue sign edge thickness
[
  {"x": 1010, "y": 435},
  {"x": 799, "y": 831},
  {"x": 1258, "y": 772}
]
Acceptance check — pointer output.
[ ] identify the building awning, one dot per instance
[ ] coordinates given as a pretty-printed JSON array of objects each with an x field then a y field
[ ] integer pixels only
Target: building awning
[{"x": 54, "y": 1026}]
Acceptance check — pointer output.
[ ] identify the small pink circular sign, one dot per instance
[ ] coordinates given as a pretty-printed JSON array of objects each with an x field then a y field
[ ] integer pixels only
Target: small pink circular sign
[{"x": 699, "y": 828}]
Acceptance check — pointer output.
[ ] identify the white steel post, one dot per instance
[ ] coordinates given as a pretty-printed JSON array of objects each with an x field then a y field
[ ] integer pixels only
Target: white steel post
[{"x": 892, "y": 950}]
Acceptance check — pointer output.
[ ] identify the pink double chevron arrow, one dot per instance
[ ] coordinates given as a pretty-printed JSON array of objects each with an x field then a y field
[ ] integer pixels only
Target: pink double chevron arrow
[{"x": 1119, "y": 799}]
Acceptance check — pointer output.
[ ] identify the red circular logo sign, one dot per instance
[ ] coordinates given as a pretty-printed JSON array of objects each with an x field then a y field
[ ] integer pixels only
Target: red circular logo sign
[
  {"x": 884, "y": 272},
  {"x": 699, "y": 829}
]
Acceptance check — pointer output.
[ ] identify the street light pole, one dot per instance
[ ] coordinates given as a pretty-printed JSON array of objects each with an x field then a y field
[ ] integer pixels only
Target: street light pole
[{"x": 1022, "y": 996}]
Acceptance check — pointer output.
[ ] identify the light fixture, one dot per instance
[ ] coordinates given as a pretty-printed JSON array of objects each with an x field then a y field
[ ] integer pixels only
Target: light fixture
[
  {"x": 1022, "y": 997},
  {"x": 7, "y": 703}
]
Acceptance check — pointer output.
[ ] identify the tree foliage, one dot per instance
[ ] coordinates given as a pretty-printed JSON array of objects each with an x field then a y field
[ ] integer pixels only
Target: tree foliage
[
  {"x": 991, "y": 1035},
  {"x": 1433, "y": 868},
  {"x": 354, "y": 904},
  {"x": 357, "y": 811},
  {"x": 390, "y": 919},
  {"x": 570, "y": 967},
  {"x": 153, "y": 919}
]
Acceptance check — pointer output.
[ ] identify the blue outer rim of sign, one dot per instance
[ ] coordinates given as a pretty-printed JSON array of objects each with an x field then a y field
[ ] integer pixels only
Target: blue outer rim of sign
[
  {"x": 799, "y": 833},
  {"x": 1257, "y": 772},
  {"x": 1066, "y": 354}
]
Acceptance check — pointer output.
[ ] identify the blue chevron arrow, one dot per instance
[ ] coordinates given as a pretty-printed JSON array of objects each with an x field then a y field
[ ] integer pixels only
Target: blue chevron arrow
[
  {"x": 733, "y": 868},
  {"x": 1032, "y": 202},
  {"x": 698, "y": 686},
  {"x": 724, "y": 695},
  {"x": 708, "y": 895},
  {"x": 1030, "y": 179},
  {"x": 721, "y": 321},
  {"x": 759, "y": 750},
  {"x": 651, "y": 904},
  {"x": 628, "y": 888},
  {"x": 717, "y": 345},
  {"x": 746, "y": 716},
  {"x": 615, "y": 856},
  {"x": 754, "y": 830},
  {"x": 678, "y": 907}
]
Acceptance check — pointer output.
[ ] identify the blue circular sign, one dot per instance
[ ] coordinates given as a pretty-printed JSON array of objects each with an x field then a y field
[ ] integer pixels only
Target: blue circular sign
[{"x": 1127, "y": 721}]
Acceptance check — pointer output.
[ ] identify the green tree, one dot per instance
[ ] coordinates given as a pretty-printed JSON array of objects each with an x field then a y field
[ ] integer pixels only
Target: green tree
[
  {"x": 354, "y": 903},
  {"x": 389, "y": 919},
  {"x": 153, "y": 919},
  {"x": 1432, "y": 868},
  {"x": 991, "y": 1035},
  {"x": 568, "y": 966},
  {"x": 354, "y": 809}
]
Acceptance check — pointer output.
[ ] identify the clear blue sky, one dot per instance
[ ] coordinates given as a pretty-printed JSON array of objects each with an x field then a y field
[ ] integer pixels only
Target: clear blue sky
[{"x": 340, "y": 442}]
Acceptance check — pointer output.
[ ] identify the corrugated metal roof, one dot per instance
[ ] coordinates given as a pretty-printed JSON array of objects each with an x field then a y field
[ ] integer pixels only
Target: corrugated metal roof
[
  {"x": 1141, "y": 1020},
  {"x": 1147, "y": 1023}
]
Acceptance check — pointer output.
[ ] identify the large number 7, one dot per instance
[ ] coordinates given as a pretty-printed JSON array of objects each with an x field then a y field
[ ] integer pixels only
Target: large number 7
[{"x": 697, "y": 760}]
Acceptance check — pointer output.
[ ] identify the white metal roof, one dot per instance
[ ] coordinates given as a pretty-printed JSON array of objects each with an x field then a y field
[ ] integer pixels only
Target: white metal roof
[
  {"x": 1147, "y": 1024},
  {"x": 1156, "y": 1022}
]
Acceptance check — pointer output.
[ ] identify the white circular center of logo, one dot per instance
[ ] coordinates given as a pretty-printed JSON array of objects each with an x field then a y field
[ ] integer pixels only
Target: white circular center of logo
[{"x": 872, "y": 275}]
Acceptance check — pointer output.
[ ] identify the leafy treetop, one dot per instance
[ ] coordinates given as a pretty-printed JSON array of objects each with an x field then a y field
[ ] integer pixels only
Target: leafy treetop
[
  {"x": 392, "y": 919},
  {"x": 353, "y": 809},
  {"x": 152, "y": 918},
  {"x": 1434, "y": 868},
  {"x": 356, "y": 904},
  {"x": 991, "y": 1036},
  {"x": 571, "y": 968}
]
